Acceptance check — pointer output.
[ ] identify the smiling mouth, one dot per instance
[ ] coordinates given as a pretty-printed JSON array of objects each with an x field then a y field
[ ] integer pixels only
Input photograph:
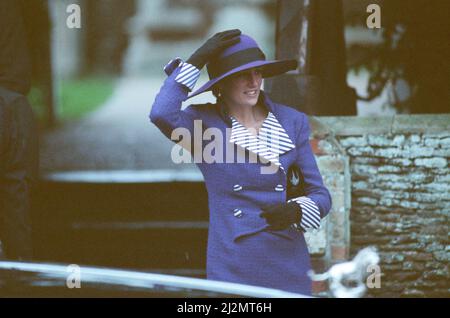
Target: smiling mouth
[{"x": 251, "y": 93}]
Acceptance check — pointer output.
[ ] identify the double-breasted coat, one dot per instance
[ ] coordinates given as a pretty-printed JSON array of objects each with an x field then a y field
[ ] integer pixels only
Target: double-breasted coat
[{"x": 240, "y": 247}]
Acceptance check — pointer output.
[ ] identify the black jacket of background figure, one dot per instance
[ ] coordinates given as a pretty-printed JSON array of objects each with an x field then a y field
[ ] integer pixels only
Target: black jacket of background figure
[{"x": 18, "y": 134}]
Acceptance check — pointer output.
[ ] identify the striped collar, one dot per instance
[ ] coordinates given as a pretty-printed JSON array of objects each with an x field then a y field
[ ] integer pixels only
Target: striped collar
[{"x": 271, "y": 141}]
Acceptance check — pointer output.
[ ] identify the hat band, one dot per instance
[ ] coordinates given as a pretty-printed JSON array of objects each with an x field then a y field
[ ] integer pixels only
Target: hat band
[{"x": 230, "y": 62}]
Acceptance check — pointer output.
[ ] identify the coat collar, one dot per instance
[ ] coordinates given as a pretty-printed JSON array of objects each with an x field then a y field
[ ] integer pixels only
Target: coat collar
[{"x": 272, "y": 140}]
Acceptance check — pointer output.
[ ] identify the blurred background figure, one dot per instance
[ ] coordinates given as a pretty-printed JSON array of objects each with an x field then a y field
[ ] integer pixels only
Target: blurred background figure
[{"x": 18, "y": 134}]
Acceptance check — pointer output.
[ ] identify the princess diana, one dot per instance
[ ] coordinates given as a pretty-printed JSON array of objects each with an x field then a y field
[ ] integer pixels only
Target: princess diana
[{"x": 256, "y": 232}]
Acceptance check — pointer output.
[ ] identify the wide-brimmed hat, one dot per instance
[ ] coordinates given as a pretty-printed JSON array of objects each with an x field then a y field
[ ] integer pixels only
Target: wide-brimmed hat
[{"x": 242, "y": 56}]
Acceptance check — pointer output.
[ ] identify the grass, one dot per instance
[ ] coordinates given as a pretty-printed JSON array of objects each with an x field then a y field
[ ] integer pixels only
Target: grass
[{"x": 76, "y": 98}]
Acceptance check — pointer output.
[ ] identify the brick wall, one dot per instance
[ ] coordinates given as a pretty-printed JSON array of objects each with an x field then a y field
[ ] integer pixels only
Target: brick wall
[{"x": 400, "y": 196}]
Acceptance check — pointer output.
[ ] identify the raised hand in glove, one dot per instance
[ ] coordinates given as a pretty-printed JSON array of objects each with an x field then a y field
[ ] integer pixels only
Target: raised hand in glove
[
  {"x": 281, "y": 216},
  {"x": 213, "y": 46}
]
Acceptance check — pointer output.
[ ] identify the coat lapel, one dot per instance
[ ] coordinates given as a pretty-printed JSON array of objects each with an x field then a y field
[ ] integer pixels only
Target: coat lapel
[{"x": 242, "y": 137}]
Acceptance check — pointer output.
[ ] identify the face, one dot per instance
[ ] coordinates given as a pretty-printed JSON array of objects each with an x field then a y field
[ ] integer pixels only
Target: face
[{"x": 243, "y": 88}]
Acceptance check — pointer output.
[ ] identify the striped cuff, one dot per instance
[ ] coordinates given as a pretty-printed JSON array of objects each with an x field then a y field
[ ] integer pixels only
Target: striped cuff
[
  {"x": 310, "y": 213},
  {"x": 188, "y": 75}
]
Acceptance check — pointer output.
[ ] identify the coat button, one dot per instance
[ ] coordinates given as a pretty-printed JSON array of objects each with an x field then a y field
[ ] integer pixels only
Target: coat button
[
  {"x": 237, "y": 213},
  {"x": 237, "y": 187},
  {"x": 296, "y": 227},
  {"x": 279, "y": 187}
]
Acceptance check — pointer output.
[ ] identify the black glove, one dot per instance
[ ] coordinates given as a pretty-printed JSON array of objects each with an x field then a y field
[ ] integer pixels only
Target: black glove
[
  {"x": 281, "y": 216},
  {"x": 213, "y": 46}
]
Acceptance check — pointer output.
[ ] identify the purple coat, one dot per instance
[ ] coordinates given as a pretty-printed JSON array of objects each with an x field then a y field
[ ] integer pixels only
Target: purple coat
[{"x": 240, "y": 247}]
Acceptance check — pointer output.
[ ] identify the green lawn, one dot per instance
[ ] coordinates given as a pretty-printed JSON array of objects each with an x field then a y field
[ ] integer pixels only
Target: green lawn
[{"x": 77, "y": 97}]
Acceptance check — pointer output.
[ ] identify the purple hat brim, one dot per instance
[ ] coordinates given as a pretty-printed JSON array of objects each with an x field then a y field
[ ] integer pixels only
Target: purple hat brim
[{"x": 269, "y": 69}]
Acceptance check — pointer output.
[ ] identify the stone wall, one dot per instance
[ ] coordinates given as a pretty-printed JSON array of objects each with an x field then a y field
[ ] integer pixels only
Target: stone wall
[{"x": 400, "y": 196}]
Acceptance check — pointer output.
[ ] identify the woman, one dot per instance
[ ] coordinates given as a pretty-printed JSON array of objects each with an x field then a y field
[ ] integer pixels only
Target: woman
[{"x": 255, "y": 234}]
